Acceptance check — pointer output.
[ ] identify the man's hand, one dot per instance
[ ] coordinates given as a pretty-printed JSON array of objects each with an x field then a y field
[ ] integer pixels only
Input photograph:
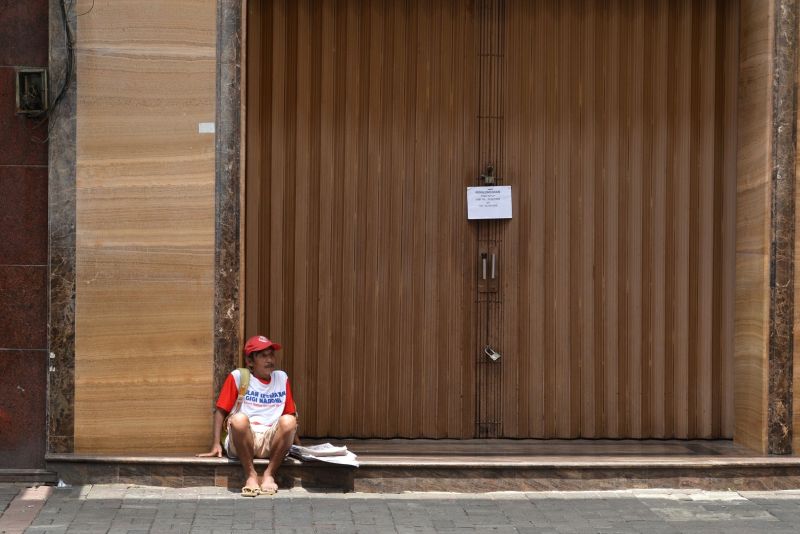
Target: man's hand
[
  {"x": 216, "y": 452},
  {"x": 216, "y": 448}
]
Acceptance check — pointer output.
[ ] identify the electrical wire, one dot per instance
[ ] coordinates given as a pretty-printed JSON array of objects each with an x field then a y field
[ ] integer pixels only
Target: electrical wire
[
  {"x": 69, "y": 67},
  {"x": 69, "y": 44},
  {"x": 65, "y": 6}
]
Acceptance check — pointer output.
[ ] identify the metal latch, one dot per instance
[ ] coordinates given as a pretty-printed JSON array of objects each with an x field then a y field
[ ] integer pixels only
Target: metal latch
[{"x": 488, "y": 175}]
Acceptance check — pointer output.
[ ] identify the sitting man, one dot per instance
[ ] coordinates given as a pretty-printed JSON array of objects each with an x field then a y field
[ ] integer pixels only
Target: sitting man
[{"x": 262, "y": 423}]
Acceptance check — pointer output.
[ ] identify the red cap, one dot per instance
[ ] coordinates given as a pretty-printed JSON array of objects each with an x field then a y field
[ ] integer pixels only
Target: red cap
[{"x": 259, "y": 343}]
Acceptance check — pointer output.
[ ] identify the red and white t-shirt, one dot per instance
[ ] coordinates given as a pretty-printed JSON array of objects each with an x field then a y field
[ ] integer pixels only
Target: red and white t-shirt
[{"x": 264, "y": 402}]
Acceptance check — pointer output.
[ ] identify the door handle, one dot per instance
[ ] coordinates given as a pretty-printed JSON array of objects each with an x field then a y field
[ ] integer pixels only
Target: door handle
[{"x": 488, "y": 277}]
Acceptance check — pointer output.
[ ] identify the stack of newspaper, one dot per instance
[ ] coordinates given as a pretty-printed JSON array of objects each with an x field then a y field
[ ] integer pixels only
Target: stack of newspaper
[{"x": 324, "y": 452}]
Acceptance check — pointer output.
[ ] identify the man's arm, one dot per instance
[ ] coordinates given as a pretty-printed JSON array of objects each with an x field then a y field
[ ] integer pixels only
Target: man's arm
[
  {"x": 290, "y": 409},
  {"x": 225, "y": 403},
  {"x": 216, "y": 447}
]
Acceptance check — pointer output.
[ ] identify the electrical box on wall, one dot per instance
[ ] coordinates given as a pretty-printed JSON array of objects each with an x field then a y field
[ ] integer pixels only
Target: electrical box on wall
[{"x": 31, "y": 91}]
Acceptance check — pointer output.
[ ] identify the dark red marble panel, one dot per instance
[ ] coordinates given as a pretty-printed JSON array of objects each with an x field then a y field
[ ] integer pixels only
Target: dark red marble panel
[
  {"x": 22, "y": 138},
  {"x": 23, "y": 215},
  {"x": 228, "y": 265},
  {"x": 22, "y": 408},
  {"x": 23, "y": 33},
  {"x": 23, "y": 307},
  {"x": 782, "y": 270}
]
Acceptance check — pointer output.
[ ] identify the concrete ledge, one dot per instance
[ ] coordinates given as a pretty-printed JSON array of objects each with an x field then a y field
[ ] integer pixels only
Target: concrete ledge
[
  {"x": 462, "y": 461},
  {"x": 189, "y": 471},
  {"x": 151, "y": 459},
  {"x": 28, "y": 476},
  {"x": 399, "y": 474}
]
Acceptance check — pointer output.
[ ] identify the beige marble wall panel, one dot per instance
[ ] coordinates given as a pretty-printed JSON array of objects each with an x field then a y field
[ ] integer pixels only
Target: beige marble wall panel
[
  {"x": 163, "y": 26},
  {"x": 750, "y": 393},
  {"x": 145, "y": 226},
  {"x": 752, "y": 224}
]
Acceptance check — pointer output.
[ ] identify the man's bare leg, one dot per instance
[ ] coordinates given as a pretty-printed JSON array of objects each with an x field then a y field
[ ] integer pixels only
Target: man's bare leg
[
  {"x": 287, "y": 425},
  {"x": 243, "y": 442}
]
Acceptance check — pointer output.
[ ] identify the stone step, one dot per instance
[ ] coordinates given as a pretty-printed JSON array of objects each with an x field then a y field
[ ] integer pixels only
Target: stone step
[
  {"x": 468, "y": 466},
  {"x": 28, "y": 476}
]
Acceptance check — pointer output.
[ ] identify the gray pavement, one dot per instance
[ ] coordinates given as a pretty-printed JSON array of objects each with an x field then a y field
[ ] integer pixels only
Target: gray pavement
[
  {"x": 7, "y": 494},
  {"x": 137, "y": 509}
]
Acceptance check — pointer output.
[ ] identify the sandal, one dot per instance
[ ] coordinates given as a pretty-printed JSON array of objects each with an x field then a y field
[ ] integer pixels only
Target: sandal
[{"x": 251, "y": 492}]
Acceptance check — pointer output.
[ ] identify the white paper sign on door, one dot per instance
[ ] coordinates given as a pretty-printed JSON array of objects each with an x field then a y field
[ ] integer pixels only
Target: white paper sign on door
[{"x": 489, "y": 202}]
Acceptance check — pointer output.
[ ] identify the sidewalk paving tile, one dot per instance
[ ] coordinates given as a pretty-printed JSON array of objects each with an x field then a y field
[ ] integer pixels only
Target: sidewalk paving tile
[{"x": 208, "y": 510}]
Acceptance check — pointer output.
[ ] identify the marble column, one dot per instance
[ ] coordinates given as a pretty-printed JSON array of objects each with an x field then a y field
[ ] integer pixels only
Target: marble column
[
  {"x": 61, "y": 211},
  {"x": 765, "y": 225},
  {"x": 227, "y": 256},
  {"x": 782, "y": 228}
]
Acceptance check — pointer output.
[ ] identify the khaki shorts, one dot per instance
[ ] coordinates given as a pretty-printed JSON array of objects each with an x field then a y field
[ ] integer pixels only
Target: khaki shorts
[{"x": 261, "y": 442}]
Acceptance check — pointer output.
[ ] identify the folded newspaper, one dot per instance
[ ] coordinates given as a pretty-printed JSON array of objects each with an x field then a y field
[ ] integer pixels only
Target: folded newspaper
[{"x": 324, "y": 452}]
